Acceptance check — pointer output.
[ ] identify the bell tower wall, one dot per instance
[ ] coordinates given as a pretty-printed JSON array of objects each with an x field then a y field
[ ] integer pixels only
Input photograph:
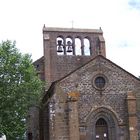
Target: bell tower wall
[{"x": 66, "y": 49}]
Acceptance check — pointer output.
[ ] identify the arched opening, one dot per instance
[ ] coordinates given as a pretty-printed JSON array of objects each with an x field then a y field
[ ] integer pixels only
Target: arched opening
[
  {"x": 60, "y": 45},
  {"x": 102, "y": 120},
  {"x": 69, "y": 46},
  {"x": 87, "y": 46},
  {"x": 30, "y": 137},
  {"x": 101, "y": 130},
  {"x": 77, "y": 46}
]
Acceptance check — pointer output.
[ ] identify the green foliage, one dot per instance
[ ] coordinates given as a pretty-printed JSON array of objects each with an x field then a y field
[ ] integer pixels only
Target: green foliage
[{"x": 20, "y": 88}]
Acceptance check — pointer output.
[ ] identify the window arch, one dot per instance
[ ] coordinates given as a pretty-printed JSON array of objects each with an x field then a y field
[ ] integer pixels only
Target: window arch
[
  {"x": 87, "y": 46},
  {"x": 69, "y": 46},
  {"x": 77, "y": 46},
  {"x": 60, "y": 45}
]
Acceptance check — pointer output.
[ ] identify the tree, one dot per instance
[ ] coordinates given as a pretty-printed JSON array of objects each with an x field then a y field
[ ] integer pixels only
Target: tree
[{"x": 20, "y": 88}]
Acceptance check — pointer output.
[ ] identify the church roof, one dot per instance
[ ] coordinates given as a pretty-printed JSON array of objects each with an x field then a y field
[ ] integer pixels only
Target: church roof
[
  {"x": 50, "y": 29},
  {"x": 41, "y": 59}
]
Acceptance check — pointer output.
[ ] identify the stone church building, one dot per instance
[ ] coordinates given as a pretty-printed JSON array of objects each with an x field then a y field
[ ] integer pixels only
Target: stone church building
[{"x": 87, "y": 96}]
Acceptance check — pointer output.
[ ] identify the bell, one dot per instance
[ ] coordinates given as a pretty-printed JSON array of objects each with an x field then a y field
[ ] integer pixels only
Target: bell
[
  {"x": 59, "y": 42},
  {"x": 69, "y": 46},
  {"x": 59, "y": 49},
  {"x": 59, "y": 46},
  {"x": 69, "y": 49}
]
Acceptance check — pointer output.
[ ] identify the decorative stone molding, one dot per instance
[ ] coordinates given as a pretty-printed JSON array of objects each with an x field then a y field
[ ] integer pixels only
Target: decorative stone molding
[{"x": 73, "y": 96}]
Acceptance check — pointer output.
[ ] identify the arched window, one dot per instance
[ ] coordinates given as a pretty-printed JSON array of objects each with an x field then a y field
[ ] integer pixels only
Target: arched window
[
  {"x": 60, "y": 45},
  {"x": 69, "y": 46},
  {"x": 77, "y": 46},
  {"x": 86, "y": 46}
]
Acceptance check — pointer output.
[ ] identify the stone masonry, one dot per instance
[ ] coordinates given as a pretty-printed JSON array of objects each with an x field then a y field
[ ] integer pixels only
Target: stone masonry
[{"x": 87, "y": 96}]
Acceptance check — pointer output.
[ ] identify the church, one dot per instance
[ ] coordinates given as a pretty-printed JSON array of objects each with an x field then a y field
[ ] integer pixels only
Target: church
[{"x": 87, "y": 96}]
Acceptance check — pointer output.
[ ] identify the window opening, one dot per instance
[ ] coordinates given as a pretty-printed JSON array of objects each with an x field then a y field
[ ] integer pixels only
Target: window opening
[
  {"x": 86, "y": 46},
  {"x": 77, "y": 46},
  {"x": 60, "y": 45},
  {"x": 69, "y": 46},
  {"x": 30, "y": 136},
  {"x": 100, "y": 82}
]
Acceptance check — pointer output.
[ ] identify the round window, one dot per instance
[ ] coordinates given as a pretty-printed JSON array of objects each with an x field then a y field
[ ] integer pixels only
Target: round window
[{"x": 100, "y": 82}]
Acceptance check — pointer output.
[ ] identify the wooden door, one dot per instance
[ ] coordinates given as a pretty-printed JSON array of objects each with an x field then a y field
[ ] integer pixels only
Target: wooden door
[{"x": 101, "y": 130}]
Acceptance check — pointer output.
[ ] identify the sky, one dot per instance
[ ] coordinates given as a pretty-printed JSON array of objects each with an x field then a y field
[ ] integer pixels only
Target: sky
[{"x": 23, "y": 20}]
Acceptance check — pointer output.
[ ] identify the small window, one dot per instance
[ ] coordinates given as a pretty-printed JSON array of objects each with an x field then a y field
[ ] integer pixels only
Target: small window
[
  {"x": 37, "y": 66},
  {"x": 29, "y": 136},
  {"x": 100, "y": 82}
]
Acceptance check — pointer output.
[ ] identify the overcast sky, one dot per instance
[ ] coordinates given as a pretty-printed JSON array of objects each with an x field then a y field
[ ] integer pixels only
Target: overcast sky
[{"x": 23, "y": 20}]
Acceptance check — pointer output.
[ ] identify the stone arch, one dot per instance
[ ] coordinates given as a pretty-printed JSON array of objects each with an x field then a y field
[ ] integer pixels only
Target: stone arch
[
  {"x": 78, "y": 45},
  {"x": 87, "y": 46},
  {"x": 60, "y": 45},
  {"x": 69, "y": 45},
  {"x": 110, "y": 118},
  {"x": 61, "y": 36}
]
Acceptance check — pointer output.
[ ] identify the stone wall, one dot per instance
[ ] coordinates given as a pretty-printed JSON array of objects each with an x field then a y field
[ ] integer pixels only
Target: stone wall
[
  {"x": 113, "y": 97},
  {"x": 109, "y": 103},
  {"x": 57, "y": 66}
]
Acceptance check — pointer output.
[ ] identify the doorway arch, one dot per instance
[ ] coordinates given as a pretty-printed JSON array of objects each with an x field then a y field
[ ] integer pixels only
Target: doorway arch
[{"x": 109, "y": 127}]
